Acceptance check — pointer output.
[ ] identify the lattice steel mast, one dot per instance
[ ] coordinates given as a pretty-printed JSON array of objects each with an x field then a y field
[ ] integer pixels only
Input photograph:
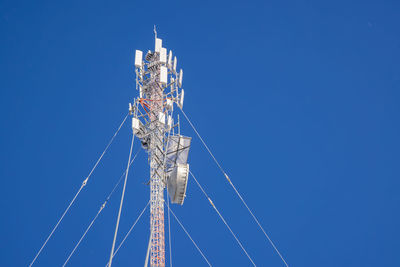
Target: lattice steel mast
[{"x": 159, "y": 86}]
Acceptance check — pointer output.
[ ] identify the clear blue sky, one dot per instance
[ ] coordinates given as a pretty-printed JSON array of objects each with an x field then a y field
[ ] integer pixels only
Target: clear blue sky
[{"x": 298, "y": 99}]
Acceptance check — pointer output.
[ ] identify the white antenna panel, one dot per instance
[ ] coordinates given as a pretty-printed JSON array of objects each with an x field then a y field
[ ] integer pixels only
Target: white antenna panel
[
  {"x": 175, "y": 62},
  {"x": 169, "y": 104},
  {"x": 161, "y": 117},
  {"x": 140, "y": 92},
  {"x": 170, "y": 58},
  {"x": 163, "y": 75},
  {"x": 180, "y": 78},
  {"x": 138, "y": 58},
  {"x": 163, "y": 55},
  {"x": 158, "y": 45},
  {"x": 182, "y": 96},
  {"x": 135, "y": 125}
]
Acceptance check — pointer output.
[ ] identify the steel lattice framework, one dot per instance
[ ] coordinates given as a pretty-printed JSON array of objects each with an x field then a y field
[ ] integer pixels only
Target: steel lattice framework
[
  {"x": 159, "y": 85},
  {"x": 157, "y": 175}
]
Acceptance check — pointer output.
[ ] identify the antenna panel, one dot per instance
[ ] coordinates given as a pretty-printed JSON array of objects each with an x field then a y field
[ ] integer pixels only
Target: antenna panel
[
  {"x": 161, "y": 117},
  {"x": 138, "y": 58},
  {"x": 158, "y": 45},
  {"x": 163, "y": 55},
  {"x": 135, "y": 125},
  {"x": 180, "y": 78},
  {"x": 163, "y": 75},
  {"x": 169, "y": 105},
  {"x": 182, "y": 96},
  {"x": 170, "y": 58},
  {"x": 175, "y": 62}
]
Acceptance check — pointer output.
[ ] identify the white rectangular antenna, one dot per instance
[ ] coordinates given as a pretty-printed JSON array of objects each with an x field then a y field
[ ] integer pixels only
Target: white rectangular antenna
[
  {"x": 163, "y": 55},
  {"x": 182, "y": 96},
  {"x": 161, "y": 117},
  {"x": 169, "y": 105},
  {"x": 135, "y": 125},
  {"x": 138, "y": 58},
  {"x": 180, "y": 78},
  {"x": 163, "y": 75},
  {"x": 175, "y": 62},
  {"x": 170, "y": 58},
  {"x": 158, "y": 45}
]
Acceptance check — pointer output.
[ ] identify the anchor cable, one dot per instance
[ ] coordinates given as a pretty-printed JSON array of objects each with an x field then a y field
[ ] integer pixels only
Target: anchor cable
[
  {"x": 76, "y": 195},
  {"x": 236, "y": 191},
  {"x": 223, "y": 220},
  {"x": 121, "y": 203},
  {"x": 100, "y": 210},
  {"x": 194, "y": 243},
  {"x": 130, "y": 230}
]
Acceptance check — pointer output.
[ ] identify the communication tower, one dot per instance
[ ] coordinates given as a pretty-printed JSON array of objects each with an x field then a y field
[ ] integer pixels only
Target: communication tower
[
  {"x": 159, "y": 84},
  {"x": 160, "y": 88}
]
